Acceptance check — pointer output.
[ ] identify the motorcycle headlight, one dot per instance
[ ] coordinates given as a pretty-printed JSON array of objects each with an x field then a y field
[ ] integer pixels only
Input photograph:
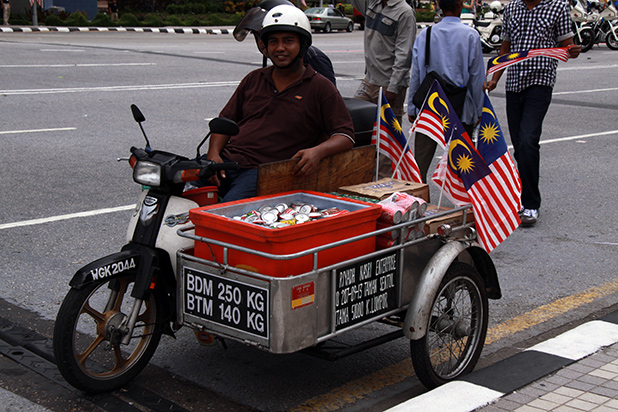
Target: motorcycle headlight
[{"x": 147, "y": 173}]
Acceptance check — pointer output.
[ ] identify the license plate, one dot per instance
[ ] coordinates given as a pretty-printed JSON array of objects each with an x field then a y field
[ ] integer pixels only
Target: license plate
[{"x": 227, "y": 302}]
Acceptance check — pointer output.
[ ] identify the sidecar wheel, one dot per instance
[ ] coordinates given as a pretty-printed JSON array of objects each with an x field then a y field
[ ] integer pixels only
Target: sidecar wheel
[
  {"x": 456, "y": 329},
  {"x": 88, "y": 334}
]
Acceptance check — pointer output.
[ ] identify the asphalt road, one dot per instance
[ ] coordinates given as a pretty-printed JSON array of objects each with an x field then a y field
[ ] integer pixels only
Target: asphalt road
[{"x": 65, "y": 114}]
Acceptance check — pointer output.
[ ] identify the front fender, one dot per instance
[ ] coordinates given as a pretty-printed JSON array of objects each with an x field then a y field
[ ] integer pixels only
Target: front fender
[
  {"x": 417, "y": 316},
  {"x": 123, "y": 263},
  {"x": 133, "y": 260}
]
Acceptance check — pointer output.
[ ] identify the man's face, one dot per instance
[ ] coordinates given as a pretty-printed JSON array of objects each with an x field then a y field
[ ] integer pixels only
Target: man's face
[{"x": 283, "y": 48}]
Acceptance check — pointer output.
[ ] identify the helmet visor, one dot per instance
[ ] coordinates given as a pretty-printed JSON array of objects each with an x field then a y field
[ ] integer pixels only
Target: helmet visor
[{"x": 251, "y": 22}]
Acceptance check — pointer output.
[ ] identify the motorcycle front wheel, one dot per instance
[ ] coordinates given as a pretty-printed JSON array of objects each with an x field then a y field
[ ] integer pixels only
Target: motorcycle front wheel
[
  {"x": 611, "y": 39},
  {"x": 456, "y": 328},
  {"x": 89, "y": 329},
  {"x": 585, "y": 38}
]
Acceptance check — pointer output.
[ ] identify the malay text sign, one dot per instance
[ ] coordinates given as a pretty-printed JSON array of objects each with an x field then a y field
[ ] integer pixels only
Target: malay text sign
[{"x": 366, "y": 289}]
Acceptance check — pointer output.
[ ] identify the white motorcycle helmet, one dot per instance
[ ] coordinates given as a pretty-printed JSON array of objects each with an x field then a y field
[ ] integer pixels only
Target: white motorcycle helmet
[
  {"x": 495, "y": 6},
  {"x": 286, "y": 18}
]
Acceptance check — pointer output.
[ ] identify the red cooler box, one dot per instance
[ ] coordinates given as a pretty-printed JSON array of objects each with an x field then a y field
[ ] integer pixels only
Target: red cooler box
[{"x": 216, "y": 222}]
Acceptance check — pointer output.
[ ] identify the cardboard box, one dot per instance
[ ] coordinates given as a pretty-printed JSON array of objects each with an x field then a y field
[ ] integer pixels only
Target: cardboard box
[
  {"x": 383, "y": 188},
  {"x": 453, "y": 219},
  {"x": 216, "y": 222}
]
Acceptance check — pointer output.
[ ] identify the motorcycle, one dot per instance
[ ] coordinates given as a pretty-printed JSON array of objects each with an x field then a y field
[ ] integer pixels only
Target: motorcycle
[
  {"x": 584, "y": 35},
  {"x": 601, "y": 24},
  {"x": 489, "y": 27},
  {"x": 225, "y": 279},
  {"x": 112, "y": 318}
]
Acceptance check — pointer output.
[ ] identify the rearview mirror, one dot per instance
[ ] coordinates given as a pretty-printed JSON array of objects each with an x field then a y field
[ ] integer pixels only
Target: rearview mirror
[{"x": 223, "y": 126}]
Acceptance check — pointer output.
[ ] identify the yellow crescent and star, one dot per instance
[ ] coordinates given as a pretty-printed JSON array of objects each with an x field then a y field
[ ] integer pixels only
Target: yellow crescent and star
[
  {"x": 394, "y": 123},
  {"x": 508, "y": 57},
  {"x": 490, "y": 131},
  {"x": 432, "y": 104},
  {"x": 465, "y": 164}
]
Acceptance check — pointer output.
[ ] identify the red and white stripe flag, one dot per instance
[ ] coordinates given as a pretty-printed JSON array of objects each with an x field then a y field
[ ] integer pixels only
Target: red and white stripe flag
[{"x": 505, "y": 60}]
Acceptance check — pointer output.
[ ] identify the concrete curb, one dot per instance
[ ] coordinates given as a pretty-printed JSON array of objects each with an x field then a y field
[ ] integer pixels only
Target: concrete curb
[
  {"x": 487, "y": 385},
  {"x": 167, "y": 30}
]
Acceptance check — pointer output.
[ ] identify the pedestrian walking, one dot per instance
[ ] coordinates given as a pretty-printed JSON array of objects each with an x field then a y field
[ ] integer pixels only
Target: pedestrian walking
[{"x": 531, "y": 24}]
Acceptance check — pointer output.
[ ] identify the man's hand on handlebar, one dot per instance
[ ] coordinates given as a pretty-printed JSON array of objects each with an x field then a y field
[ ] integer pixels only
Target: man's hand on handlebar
[{"x": 215, "y": 179}]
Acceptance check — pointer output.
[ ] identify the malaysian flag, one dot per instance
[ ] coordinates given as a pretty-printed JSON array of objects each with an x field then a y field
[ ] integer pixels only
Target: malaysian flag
[
  {"x": 504, "y": 178},
  {"x": 464, "y": 176},
  {"x": 505, "y": 60},
  {"x": 437, "y": 119},
  {"x": 39, "y": 2},
  {"x": 392, "y": 143}
]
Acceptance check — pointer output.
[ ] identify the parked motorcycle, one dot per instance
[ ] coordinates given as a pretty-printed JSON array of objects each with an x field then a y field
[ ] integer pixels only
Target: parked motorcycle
[
  {"x": 584, "y": 35},
  {"x": 489, "y": 27},
  {"x": 112, "y": 318},
  {"x": 601, "y": 23}
]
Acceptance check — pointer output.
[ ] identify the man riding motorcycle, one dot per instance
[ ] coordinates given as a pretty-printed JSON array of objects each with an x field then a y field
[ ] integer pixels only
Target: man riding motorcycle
[{"x": 284, "y": 111}]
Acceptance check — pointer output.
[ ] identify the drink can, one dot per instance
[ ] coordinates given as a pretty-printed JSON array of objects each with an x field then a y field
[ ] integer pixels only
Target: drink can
[
  {"x": 301, "y": 217},
  {"x": 289, "y": 211},
  {"x": 333, "y": 213},
  {"x": 250, "y": 218},
  {"x": 383, "y": 242},
  {"x": 286, "y": 216},
  {"x": 270, "y": 216},
  {"x": 305, "y": 209},
  {"x": 422, "y": 208},
  {"x": 391, "y": 213},
  {"x": 281, "y": 207},
  {"x": 329, "y": 211},
  {"x": 393, "y": 234},
  {"x": 265, "y": 208}
]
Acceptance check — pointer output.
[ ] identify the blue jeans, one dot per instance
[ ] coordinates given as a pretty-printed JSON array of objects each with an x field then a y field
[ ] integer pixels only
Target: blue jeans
[
  {"x": 238, "y": 184},
  {"x": 525, "y": 112}
]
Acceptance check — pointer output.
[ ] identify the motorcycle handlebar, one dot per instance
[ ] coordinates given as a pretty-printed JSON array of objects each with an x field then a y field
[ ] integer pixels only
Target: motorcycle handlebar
[{"x": 224, "y": 166}]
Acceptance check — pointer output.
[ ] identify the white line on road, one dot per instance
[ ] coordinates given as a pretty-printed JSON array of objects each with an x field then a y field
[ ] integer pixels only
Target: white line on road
[
  {"x": 59, "y": 129},
  {"x": 37, "y": 66},
  {"x": 118, "y": 88},
  {"x": 581, "y": 136},
  {"x": 66, "y": 217}
]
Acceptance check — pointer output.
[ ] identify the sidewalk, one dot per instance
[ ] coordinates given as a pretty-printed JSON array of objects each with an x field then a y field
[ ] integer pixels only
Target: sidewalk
[{"x": 575, "y": 371}]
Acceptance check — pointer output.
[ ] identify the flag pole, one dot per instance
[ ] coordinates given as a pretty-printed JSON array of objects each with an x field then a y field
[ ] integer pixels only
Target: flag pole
[
  {"x": 403, "y": 152},
  {"x": 450, "y": 139},
  {"x": 412, "y": 131},
  {"x": 379, "y": 119}
]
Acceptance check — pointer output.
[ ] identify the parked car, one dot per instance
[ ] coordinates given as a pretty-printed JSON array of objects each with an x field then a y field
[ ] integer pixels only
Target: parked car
[{"x": 328, "y": 19}]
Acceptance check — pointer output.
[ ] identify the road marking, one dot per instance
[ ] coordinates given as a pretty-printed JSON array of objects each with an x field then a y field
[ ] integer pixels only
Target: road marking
[
  {"x": 581, "y": 136},
  {"x": 59, "y": 129},
  {"x": 360, "y": 388},
  {"x": 594, "y": 67},
  {"x": 118, "y": 88},
  {"x": 580, "y": 342},
  {"x": 610, "y": 89},
  {"x": 63, "y": 50},
  {"x": 36, "y": 66},
  {"x": 66, "y": 217}
]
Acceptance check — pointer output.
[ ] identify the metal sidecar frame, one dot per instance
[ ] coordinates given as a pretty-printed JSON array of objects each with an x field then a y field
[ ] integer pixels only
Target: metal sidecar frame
[{"x": 403, "y": 285}]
